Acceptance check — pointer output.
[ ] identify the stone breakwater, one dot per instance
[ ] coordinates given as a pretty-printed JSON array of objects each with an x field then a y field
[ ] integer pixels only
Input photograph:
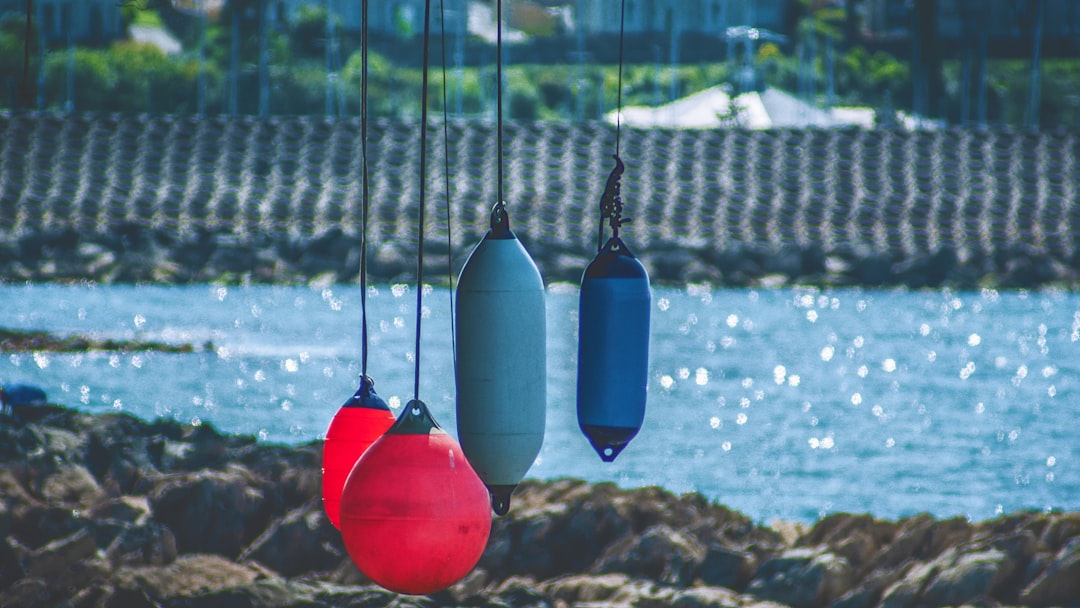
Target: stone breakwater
[
  {"x": 129, "y": 254},
  {"x": 110, "y": 511},
  {"x": 187, "y": 198}
]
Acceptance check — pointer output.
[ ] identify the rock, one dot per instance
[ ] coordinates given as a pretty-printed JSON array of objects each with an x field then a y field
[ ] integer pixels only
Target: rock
[
  {"x": 302, "y": 541},
  {"x": 1059, "y": 584},
  {"x": 660, "y": 553},
  {"x": 965, "y": 577},
  {"x": 578, "y": 588},
  {"x": 905, "y": 592},
  {"x": 802, "y": 578},
  {"x": 127, "y": 509},
  {"x": 868, "y": 592},
  {"x": 1061, "y": 528},
  {"x": 212, "y": 511},
  {"x": 12, "y": 556},
  {"x": 907, "y": 544},
  {"x": 51, "y": 560},
  {"x": 38, "y": 525},
  {"x": 607, "y": 590},
  {"x": 874, "y": 269},
  {"x": 146, "y": 544},
  {"x": 520, "y": 591},
  {"x": 725, "y": 567},
  {"x": 27, "y": 593},
  {"x": 856, "y": 538},
  {"x": 709, "y": 597},
  {"x": 72, "y": 485},
  {"x": 188, "y": 575}
]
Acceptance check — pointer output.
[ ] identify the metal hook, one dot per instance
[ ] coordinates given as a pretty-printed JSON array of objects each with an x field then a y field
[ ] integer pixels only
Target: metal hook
[{"x": 500, "y": 220}]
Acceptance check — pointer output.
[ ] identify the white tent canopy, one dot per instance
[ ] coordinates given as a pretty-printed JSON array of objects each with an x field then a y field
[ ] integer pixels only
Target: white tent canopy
[{"x": 714, "y": 108}]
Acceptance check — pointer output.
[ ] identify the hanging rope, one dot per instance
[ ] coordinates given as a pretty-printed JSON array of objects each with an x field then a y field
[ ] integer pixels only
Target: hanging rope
[
  {"x": 423, "y": 195},
  {"x": 611, "y": 204},
  {"x": 446, "y": 177},
  {"x": 618, "y": 92},
  {"x": 500, "y": 203},
  {"x": 364, "y": 191}
]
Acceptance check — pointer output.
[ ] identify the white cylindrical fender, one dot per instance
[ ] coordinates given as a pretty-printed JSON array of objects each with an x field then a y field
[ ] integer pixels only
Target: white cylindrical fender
[{"x": 501, "y": 360}]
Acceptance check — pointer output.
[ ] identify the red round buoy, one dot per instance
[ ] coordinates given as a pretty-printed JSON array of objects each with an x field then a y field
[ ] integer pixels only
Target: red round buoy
[
  {"x": 360, "y": 421},
  {"x": 415, "y": 517}
]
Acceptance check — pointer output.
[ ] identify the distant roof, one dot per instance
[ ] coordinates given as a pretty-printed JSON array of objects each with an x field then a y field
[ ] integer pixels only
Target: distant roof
[{"x": 714, "y": 108}]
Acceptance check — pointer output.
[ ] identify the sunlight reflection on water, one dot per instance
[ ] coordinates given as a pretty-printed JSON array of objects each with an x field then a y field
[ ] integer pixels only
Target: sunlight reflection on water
[{"x": 886, "y": 402}]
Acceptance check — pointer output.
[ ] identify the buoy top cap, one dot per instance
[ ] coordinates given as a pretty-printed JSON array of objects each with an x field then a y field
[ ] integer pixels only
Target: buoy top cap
[
  {"x": 616, "y": 261},
  {"x": 500, "y": 223},
  {"x": 366, "y": 397},
  {"x": 416, "y": 419}
]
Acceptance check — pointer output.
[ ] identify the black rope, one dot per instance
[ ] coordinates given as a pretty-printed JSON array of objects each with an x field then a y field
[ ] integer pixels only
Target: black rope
[
  {"x": 611, "y": 201},
  {"x": 366, "y": 204},
  {"x": 499, "y": 93},
  {"x": 618, "y": 93},
  {"x": 446, "y": 177},
  {"x": 423, "y": 197}
]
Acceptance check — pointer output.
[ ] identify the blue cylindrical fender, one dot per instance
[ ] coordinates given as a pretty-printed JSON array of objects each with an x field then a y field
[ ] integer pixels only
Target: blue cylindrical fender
[
  {"x": 501, "y": 361},
  {"x": 613, "y": 349}
]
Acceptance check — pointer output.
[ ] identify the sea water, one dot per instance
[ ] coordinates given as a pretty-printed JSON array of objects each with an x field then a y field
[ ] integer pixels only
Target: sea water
[{"x": 781, "y": 403}]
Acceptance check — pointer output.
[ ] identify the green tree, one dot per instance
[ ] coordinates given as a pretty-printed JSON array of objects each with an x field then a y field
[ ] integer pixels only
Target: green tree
[{"x": 307, "y": 33}]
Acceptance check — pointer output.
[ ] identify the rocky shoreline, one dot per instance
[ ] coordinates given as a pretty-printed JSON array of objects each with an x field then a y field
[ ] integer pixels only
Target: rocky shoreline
[
  {"x": 131, "y": 254},
  {"x": 16, "y": 340},
  {"x": 111, "y": 511}
]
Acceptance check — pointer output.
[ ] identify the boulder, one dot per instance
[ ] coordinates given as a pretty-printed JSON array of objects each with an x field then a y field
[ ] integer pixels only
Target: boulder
[
  {"x": 52, "y": 560},
  {"x": 967, "y": 577},
  {"x": 576, "y": 589},
  {"x": 520, "y": 591},
  {"x": 608, "y": 590},
  {"x": 659, "y": 553},
  {"x": 37, "y": 525},
  {"x": 27, "y": 593},
  {"x": 145, "y": 544},
  {"x": 188, "y": 575},
  {"x": 302, "y": 541},
  {"x": 12, "y": 556},
  {"x": 1059, "y": 583},
  {"x": 712, "y": 597},
  {"x": 127, "y": 509},
  {"x": 802, "y": 578},
  {"x": 868, "y": 591},
  {"x": 726, "y": 567},
  {"x": 905, "y": 592},
  {"x": 212, "y": 511},
  {"x": 72, "y": 484}
]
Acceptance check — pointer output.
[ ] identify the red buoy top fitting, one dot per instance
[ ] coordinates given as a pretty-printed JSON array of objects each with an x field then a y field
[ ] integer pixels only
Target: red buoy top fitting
[
  {"x": 415, "y": 517},
  {"x": 362, "y": 419}
]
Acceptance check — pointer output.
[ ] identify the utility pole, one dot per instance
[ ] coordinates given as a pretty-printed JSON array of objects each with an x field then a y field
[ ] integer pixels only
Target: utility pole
[
  {"x": 234, "y": 59},
  {"x": 201, "y": 100},
  {"x": 330, "y": 74},
  {"x": 69, "y": 105},
  {"x": 459, "y": 52},
  {"x": 579, "y": 89},
  {"x": 1031, "y": 119},
  {"x": 264, "y": 69},
  {"x": 24, "y": 92}
]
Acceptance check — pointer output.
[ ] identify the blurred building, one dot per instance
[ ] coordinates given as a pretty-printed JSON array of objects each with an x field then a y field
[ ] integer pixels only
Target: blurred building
[
  {"x": 712, "y": 17},
  {"x": 392, "y": 17},
  {"x": 1006, "y": 25},
  {"x": 84, "y": 21}
]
